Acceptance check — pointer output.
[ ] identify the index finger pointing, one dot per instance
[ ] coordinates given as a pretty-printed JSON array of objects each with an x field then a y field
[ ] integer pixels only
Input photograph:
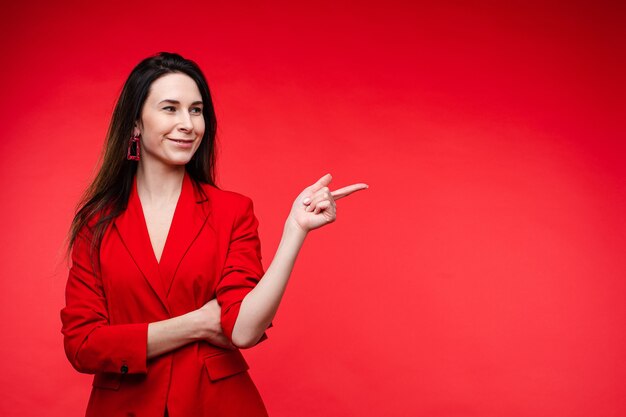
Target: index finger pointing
[{"x": 346, "y": 191}]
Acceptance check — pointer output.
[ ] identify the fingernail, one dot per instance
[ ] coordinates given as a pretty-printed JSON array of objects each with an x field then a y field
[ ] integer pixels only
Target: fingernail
[{"x": 306, "y": 200}]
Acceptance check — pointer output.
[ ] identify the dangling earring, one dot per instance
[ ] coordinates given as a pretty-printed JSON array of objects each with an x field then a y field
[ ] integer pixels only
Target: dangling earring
[{"x": 129, "y": 155}]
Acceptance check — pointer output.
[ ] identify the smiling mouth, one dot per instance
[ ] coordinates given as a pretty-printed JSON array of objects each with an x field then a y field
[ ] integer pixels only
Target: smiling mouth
[{"x": 181, "y": 140}]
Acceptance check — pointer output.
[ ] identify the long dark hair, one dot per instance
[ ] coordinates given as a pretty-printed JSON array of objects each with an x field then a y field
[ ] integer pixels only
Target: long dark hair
[{"x": 107, "y": 196}]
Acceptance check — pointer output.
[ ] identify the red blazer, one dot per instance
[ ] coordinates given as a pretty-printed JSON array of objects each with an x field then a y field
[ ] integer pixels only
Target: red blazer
[{"x": 212, "y": 250}]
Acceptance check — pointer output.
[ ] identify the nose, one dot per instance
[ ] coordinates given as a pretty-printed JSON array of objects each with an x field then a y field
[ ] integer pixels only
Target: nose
[{"x": 184, "y": 122}]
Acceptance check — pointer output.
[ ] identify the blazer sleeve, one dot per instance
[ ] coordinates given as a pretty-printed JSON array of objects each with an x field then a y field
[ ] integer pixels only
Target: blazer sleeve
[
  {"x": 243, "y": 268},
  {"x": 91, "y": 343}
]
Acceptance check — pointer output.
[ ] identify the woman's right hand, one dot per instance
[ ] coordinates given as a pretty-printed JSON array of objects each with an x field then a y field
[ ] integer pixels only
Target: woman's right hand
[{"x": 209, "y": 316}]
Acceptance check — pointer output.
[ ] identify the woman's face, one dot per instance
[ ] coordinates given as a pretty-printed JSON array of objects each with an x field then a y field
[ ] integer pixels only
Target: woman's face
[{"x": 171, "y": 124}]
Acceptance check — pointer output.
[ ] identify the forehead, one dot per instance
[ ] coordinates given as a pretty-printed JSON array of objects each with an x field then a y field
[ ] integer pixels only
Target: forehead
[{"x": 175, "y": 86}]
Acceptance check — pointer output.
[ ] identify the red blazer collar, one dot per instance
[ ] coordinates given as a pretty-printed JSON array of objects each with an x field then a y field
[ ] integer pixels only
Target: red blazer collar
[{"x": 192, "y": 211}]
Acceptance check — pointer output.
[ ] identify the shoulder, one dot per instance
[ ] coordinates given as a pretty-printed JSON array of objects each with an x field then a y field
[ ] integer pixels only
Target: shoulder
[
  {"x": 231, "y": 211},
  {"x": 99, "y": 217},
  {"x": 230, "y": 201},
  {"x": 95, "y": 226}
]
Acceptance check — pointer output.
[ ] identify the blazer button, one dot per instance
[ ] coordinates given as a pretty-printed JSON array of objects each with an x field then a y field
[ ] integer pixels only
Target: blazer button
[{"x": 124, "y": 369}]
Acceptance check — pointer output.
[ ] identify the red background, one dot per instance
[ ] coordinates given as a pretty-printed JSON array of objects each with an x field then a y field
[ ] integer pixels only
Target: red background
[{"x": 482, "y": 274}]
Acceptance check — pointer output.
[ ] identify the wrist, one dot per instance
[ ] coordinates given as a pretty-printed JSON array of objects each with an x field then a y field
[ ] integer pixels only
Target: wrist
[
  {"x": 293, "y": 229},
  {"x": 195, "y": 325}
]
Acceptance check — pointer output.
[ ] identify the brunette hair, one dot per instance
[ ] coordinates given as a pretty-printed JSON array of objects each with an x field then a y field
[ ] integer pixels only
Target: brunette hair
[{"x": 107, "y": 196}]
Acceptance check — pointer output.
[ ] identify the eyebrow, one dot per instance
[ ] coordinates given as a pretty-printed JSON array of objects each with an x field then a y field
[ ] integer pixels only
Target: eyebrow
[{"x": 167, "y": 100}]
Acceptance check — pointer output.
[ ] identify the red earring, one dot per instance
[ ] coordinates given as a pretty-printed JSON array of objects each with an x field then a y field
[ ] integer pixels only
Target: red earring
[{"x": 129, "y": 155}]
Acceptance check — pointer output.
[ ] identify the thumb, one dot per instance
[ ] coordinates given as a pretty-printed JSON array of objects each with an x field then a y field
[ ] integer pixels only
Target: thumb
[{"x": 322, "y": 182}]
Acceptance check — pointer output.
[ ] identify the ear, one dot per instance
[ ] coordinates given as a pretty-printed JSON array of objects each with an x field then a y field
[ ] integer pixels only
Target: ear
[{"x": 137, "y": 129}]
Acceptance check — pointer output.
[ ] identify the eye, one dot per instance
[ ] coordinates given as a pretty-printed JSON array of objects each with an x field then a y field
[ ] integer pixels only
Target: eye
[
  {"x": 196, "y": 110},
  {"x": 169, "y": 108}
]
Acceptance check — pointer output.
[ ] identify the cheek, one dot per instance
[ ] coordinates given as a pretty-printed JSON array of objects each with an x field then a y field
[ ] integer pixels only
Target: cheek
[
  {"x": 200, "y": 127},
  {"x": 150, "y": 124}
]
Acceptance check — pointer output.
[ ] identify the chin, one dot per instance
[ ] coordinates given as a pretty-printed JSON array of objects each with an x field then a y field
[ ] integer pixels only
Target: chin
[
  {"x": 180, "y": 162},
  {"x": 178, "y": 159}
]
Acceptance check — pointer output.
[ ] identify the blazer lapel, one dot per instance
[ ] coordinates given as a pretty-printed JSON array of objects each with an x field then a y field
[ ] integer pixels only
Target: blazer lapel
[
  {"x": 132, "y": 228},
  {"x": 190, "y": 216}
]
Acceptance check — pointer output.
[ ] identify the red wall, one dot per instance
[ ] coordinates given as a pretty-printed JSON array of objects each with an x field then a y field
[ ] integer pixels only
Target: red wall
[{"x": 482, "y": 273}]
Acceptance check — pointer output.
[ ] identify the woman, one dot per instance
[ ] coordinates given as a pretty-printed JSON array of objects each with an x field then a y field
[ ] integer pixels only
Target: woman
[{"x": 165, "y": 285}]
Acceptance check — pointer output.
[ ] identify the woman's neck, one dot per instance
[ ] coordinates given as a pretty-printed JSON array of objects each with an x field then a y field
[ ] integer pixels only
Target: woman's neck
[{"x": 159, "y": 185}]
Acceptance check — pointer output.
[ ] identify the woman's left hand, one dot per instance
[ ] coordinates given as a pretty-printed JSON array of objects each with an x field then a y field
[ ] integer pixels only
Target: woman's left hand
[{"x": 315, "y": 206}]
